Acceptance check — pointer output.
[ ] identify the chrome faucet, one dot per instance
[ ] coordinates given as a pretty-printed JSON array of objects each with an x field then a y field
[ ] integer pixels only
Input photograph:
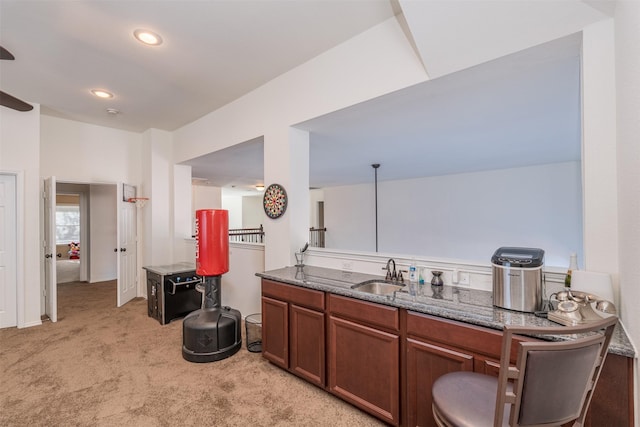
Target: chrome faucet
[{"x": 391, "y": 275}]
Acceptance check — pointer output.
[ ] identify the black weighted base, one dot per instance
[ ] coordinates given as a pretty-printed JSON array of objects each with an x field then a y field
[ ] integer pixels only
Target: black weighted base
[{"x": 211, "y": 334}]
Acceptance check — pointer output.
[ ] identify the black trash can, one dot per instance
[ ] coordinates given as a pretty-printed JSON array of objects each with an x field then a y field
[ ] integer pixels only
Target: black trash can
[{"x": 253, "y": 325}]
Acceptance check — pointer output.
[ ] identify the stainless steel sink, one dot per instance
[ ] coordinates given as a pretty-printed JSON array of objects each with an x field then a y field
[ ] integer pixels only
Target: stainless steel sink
[{"x": 378, "y": 287}]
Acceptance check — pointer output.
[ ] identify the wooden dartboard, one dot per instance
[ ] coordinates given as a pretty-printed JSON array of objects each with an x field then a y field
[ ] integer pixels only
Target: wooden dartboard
[{"x": 274, "y": 200}]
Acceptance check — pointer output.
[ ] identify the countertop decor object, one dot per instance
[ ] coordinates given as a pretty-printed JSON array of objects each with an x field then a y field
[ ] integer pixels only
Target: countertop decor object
[
  {"x": 437, "y": 280},
  {"x": 274, "y": 201}
]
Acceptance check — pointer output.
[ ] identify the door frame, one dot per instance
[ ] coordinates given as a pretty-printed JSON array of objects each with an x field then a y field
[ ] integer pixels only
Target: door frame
[
  {"x": 118, "y": 201},
  {"x": 20, "y": 237},
  {"x": 85, "y": 243},
  {"x": 49, "y": 259}
]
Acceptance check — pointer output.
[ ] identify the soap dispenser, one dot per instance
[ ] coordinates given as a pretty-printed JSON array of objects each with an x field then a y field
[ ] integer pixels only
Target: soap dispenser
[{"x": 413, "y": 272}]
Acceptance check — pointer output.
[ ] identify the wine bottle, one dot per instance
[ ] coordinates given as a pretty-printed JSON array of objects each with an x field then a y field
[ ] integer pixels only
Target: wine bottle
[{"x": 573, "y": 265}]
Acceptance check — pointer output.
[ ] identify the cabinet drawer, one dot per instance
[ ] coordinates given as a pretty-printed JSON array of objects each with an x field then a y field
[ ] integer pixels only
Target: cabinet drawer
[
  {"x": 474, "y": 338},
  {"x": 366, "y": 312},
  {"x": 469, "y": 337},
  {"x": 304, "y": 297}
]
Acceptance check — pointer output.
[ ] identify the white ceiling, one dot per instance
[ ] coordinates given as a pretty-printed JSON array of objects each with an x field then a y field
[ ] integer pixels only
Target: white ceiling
[
  {"x": 519, "y": 109},
  {"x": 214, "y": 51}
]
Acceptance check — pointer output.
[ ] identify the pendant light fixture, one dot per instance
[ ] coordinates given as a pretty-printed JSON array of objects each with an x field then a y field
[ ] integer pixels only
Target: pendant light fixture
[{"x": 375, "y": 167}]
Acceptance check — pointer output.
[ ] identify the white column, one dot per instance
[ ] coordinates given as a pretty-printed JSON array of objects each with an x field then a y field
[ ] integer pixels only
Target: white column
[
  {"x": 286, "y": 162},
  {"x": 158, "y": 185},
  {"x": 599, "y": 149}
]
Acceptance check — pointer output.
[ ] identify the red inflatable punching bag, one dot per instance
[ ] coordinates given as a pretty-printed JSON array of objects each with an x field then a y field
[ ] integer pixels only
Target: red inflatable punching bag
[{"x": 212, "y": 242}]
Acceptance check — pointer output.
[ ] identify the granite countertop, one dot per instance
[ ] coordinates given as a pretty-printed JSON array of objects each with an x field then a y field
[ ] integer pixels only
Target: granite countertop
[
  {"x": 165, "y": 270},
  {"x": 450, "y": 302}
]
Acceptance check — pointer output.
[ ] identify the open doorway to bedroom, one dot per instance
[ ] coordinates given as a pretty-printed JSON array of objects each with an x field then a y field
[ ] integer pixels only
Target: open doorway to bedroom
[
  {"x": 68, "y": 238},
  {"x": 72, "y": 232},
  {"x": 85, "y": 228}
]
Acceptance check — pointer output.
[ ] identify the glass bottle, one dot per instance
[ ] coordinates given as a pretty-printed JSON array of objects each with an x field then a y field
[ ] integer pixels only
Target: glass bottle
[{"x": 573, "y": 265}]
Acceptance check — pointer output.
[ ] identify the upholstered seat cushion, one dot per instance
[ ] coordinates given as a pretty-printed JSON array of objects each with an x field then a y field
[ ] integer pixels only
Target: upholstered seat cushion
[{"x": 467, "y": 399}]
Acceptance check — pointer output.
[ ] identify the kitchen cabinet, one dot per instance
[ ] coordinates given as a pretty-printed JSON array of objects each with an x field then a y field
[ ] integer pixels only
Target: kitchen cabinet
[
  {"x": 426, "y": 362},
  {"x": 275, "y": 331},
  {"x": 435, "y": 347},
  {"x": 293, "y": 330},
  {"x": 612, "y": 401},
  {"x": 364, "y": 356},
  {"x": 385, "y": 359}
]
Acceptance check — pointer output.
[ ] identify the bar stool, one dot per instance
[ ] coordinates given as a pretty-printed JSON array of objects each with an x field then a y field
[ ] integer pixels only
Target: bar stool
[{"x": 551, "y": 384}]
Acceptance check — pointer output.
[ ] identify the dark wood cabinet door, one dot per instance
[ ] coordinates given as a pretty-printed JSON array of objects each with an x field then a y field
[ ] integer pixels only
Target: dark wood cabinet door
[
  {"x": 425, "y": 363},
  {"x": 307, "y": 337},
  {"x": 363, "y": 368},
  {"x": 612, "y": 403},
  {"x": 275, "y": 331}
]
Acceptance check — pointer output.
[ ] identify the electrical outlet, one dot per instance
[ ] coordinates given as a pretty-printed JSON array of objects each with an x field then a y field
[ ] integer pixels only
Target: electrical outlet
[
  {"x": 464, "y": 279},
  {"x": 455, "y": 276},
  {"x": 347, "y": 265}
]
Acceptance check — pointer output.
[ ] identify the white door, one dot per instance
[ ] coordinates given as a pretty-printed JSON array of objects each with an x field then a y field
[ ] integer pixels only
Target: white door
[
  {"x": 127, "y": 250},
  {"x": 8, "y": 243},
  {"x": 50, "y": 287}
]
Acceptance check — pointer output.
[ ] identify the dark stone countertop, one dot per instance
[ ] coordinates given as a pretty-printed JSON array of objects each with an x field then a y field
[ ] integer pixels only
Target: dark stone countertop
[{"x": 466, "y": 305}]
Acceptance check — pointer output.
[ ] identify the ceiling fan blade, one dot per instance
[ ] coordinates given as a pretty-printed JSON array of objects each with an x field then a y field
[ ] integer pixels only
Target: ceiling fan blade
[
  {"x": 14, "y": 103},
  {"x": 5, "y": 54}
]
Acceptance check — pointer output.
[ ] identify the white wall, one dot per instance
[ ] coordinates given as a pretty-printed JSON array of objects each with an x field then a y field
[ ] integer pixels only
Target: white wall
[
  {"x": 349, "y": 217},
  {"x": 240, "y": 286},
  {"x": 206, "y": 197},
  {"x": 454, "y": 216},
  {"x": 182, "y": 201},
  {"x": 234, "y": 205},
  {"x": 628, "y": 157},
  {"x": 371, "y": 64},
  {"x": 183, "y": 217},
  {"x": 599, "y": 148},
  {"x": 84, "y": 153},
  {"x": 627, "y": 34},
  {"x": 252, "y": 212},
  {"x": 103, "y": 224},
  {"x": 158, "y": 184},
  {"x": 20, "y": 154}
]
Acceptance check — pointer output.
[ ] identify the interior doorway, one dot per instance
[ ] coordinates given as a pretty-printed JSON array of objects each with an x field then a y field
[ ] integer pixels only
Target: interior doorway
[
  {"x": 108, "y": 235},
  {"x": 72, "y": 226},
  {"x": 69, "y": 235},
  {"x": 85, "y": 226}
]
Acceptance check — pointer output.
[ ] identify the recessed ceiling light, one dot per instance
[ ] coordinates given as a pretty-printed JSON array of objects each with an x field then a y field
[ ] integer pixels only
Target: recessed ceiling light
[
  {"x": 113, "y": 111},
  {"x": 101, "y": 93},
  {"x": 260, "y": 187},
  {"x": 148, "y": 37}
]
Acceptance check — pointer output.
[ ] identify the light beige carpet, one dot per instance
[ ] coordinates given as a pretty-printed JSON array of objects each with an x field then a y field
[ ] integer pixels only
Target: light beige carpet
[
  {"x": 67, "y": 270},
  {"x": 105, "y": 366}
]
